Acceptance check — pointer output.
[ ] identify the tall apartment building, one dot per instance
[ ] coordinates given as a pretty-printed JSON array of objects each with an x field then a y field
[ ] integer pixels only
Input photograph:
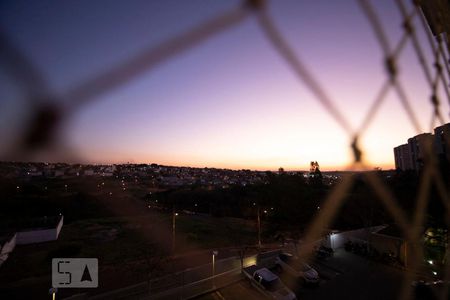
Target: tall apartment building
[
  {"x": 411, "y": 156},
  {"x": 403, "y": 159},
  {"x": 442, "y": 141}
]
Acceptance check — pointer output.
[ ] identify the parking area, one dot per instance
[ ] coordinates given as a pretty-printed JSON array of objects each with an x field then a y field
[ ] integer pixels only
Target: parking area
[
  {"x": 343, "y": 276},
  {"x": 354, "y": 277}
]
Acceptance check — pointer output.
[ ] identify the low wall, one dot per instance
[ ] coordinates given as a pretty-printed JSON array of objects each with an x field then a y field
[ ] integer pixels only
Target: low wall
[
  {"x": 39, "y": 235},
  {"x": 381, "y": 242},
  {"x": 186, "y": 284},
  {"x": 389, "y": 244},
  {"x": 7, "y": 248},
  {"x": 338, "y": 240}
]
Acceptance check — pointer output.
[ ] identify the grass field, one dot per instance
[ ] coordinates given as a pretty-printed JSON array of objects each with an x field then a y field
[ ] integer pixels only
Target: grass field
[{"x": 123, "y": 246}]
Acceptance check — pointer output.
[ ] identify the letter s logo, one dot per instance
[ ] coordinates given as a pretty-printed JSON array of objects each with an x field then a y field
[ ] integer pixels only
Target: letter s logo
[{"x": 68, "y": 273}]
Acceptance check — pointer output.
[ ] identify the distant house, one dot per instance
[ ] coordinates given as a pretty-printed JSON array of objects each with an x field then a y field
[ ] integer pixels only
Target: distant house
[
  {"x": 72, "y": 172},
  {"x": 59, "y": 173},
  {"x": 89, "y": 172},
  {"x": 172, "y": 181},
  {"x": 109, "y": 171},
  {"x": 35, "y": 173}
]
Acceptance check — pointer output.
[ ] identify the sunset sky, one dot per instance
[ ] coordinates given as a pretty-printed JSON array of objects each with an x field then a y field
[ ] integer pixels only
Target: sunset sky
[{"x": 229, "y": 102}]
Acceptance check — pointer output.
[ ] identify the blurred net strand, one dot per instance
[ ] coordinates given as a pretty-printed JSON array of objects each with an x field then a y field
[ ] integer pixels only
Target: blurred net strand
[
  {"x": 337, "y": 197},
  {"x": 442, "y": 55},
  {"x": 439, "y": 77},
  {"x": 152, "y": 57},
  {"x": 445, "y": 199},
  {"x": 376, "y": 104},
  {"x": 46, "y": 121},
  {"x": 389, "y": 202},
  {"x": 410, "y": 30},
  {"x": 429, "y": 174},
  {"x": 445, "y": 57},
  {"x": 277, "y": 40},
  {"x": 404, "y": 100},
  {"x": 376, "y": 25},
  {"x": 421, "y": 202},
  {"x": 22, "y": 70},
  {"x": 433, "y": 40},
  {"x": 148, "y": 59},
  {"x": 328, "y": 210},
  {"x": 441, "y": 189},
  {"x": 438, "y": 54},
  {"x": 390, "y": 59},
  {"x": 413, "y": 234}
]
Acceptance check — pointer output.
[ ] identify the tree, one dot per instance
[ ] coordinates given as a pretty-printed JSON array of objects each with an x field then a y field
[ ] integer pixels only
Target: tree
[{"x": 315, "y": 176}]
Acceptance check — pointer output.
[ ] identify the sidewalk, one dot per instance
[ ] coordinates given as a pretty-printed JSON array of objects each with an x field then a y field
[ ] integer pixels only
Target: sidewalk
[{"x": 192, "y": 280}]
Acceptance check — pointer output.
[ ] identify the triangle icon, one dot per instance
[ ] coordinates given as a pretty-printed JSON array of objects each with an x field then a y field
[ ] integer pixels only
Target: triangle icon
[{"x": 86, "y": 275}]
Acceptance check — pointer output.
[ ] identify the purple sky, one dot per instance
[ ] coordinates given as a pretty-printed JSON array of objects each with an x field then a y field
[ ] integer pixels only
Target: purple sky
[{"x": 231, "y": 101}]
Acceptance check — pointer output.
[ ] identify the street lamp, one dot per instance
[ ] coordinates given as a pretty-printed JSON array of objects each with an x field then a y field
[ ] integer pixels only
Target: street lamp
[
  {"x": 174, "y": 214},
  {"x": 52, "y": 292},
  {"x": 259, "y": 228},
  {"x": 214, "y": 254}
]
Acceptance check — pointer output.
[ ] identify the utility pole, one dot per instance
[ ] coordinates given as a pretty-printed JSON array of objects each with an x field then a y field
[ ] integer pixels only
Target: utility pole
[
  {"x": 259, "y": 227},
  {"x": 174, "y": 214},
  {"x": 214, "y": 254}
]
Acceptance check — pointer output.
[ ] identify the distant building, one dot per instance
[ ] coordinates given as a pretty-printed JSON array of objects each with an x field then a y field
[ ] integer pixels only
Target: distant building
[
  {"x": 417, "y": 147},
  {"x": 412, "y": 156},
  {"x": 442, "y": 141},
  {"x": 403, "y": 159}
]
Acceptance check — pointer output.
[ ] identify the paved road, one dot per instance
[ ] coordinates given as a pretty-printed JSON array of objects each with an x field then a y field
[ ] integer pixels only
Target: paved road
[{"x": 238, "y": 291}]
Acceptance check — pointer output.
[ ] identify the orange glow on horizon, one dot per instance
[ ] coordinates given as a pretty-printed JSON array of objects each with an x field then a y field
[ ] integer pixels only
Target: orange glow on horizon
[{"x": 238, "y": 165}]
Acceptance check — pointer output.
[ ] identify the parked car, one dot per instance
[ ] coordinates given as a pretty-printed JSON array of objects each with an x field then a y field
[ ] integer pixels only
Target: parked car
[
  {"x": 429, "y": 290},
  {"x": 324, "y": 252},
  {"x": 268, "y": 283},
  {"x": 294, "y": 266}
]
